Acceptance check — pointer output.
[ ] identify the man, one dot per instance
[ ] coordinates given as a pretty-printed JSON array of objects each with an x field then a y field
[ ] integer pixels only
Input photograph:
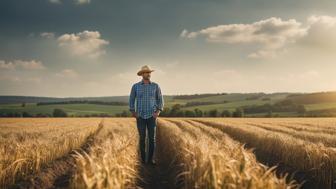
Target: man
[{"x": 149, "y": 104}]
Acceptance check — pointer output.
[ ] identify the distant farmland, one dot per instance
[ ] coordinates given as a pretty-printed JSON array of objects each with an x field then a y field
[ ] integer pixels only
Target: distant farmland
[
  {"x": 191, "y": 153},
  {"x": 203, "y": 105}
]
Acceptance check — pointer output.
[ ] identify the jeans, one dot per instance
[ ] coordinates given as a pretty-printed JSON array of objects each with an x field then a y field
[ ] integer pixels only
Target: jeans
[{"x": 150, "y": 124}]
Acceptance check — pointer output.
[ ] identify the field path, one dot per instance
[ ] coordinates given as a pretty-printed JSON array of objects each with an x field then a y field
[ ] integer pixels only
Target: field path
[
  {"x": 56, "y": 174},
  {"x": 160, "y": 175}
]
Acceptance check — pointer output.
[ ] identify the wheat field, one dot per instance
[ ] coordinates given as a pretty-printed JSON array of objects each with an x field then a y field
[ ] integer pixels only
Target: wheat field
[{"x": 211, "y": 153}]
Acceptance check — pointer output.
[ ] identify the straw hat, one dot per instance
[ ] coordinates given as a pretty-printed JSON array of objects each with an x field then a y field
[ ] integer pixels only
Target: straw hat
[{"x": 144, "y": 68}]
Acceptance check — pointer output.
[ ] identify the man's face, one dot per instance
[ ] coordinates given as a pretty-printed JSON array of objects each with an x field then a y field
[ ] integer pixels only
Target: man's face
[{"x": 146, "y": 75}]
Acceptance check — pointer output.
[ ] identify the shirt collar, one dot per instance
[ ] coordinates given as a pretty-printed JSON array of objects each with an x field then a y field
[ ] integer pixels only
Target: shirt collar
[{"x": 142, "y": 81}]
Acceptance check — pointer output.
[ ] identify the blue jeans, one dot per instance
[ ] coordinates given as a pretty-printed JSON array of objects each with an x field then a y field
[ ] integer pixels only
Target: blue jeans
[{"x": 150, "y": 124}]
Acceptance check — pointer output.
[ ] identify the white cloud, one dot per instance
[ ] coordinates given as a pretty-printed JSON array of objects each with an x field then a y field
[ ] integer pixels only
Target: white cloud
[
  {"x": 83, "y": 1},
  {"x": 67, "y": 73},
  {"x": 263, "y": 54},
  {"x": 24, "y": 64},
  {"x": 47, "y": 35},
  {"x": 79, "y": 2},
  {"x": 55, "y": 1},
  {"x": 271, "y": 34},
  {"x": 321, "y": 31},
  {"x": 86, "y": 43}
]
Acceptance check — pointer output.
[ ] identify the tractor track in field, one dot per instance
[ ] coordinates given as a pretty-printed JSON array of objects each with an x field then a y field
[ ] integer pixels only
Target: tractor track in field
[
  {"x": 56, "y": 174},
  {"x": 162, "y": 175}
]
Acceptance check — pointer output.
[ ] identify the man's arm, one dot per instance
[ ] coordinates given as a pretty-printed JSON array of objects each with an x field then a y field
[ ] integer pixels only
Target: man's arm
[
  {"x": 159, "y": 99},
  {"x": 131, "y": 102}
]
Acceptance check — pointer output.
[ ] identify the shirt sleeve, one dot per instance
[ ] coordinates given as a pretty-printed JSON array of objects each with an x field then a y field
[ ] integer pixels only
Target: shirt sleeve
[
  {"x": 159, "y": 99},
  {"x": 131, "y": 102}
]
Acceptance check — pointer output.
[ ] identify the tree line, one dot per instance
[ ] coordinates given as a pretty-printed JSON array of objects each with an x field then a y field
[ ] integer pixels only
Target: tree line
[{"x": 84, "y": 102}]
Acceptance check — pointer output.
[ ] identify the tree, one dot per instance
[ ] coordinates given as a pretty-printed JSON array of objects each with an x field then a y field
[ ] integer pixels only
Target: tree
[
  {"x": 26, "y": 114},
  {"x": 213, "y": 113},
  {"x": 125, "y": 114},
  {"x": 301, "y": 109},
  {"x": 189, "y": 113},
  {"x": 269, "y": 113},
  {"x": 198, "y": 112},
  {"x": 176, "y": 110},
  {"x": 226, "y": 113},
  {"x": 238, "y": 113},
  {"x": 59, "y": 113},
  {"x": 165, "y": 112}
]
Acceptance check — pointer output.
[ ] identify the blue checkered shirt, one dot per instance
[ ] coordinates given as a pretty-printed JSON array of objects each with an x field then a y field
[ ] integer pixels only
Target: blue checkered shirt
[{"x": 148, "y": 99}]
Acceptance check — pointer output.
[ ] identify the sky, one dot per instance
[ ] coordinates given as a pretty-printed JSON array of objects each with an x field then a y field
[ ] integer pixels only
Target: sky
[{"x": 82, "y": 48}]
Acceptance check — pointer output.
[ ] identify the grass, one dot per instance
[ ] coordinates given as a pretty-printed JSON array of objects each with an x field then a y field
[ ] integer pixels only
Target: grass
[{"x": 72, "y": 109}]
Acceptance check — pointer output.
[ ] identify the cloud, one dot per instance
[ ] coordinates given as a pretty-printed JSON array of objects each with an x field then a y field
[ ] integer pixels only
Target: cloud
[
  {"x": 271, "y": 34},
  {"x": 86, "y": 43},
  {"x": 67, "y": 73},
  {"x": 263, "y": 54},
  {"x": 55, "y": 1},
  {"x": 321, "y": 32},
  {"x": 23, "y": 64},
  {"x": 47, "y": 35},
  {"x": 83, "y": 1},
  {"x": 79, "y": 2}
]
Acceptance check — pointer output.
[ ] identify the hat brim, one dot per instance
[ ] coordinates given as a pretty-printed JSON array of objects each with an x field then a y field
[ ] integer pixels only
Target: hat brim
[{"x": 141, "y": 71}]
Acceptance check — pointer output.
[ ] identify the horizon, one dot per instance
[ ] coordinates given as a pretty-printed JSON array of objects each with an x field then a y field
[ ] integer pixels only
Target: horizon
[
  {"x": 226, "y": 93},
  {"x": 90, "y": 48}
]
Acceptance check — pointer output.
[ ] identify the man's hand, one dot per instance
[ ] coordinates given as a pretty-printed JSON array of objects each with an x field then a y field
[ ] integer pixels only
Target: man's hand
[
  {"x": 134, "y": 114},
  {"x": 156, "y": 114}
]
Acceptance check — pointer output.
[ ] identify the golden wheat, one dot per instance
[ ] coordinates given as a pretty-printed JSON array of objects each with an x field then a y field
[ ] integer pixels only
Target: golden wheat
[
  {"x": 315, "y": 160},
  {"x": 112, "y": 161},
  {"x": 211, "y": 159},
  {"x": 27, "y": 144},
  {"x": 201, "y": 152}
]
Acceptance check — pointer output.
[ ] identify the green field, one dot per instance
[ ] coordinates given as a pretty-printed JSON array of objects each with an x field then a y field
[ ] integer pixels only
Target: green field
[
  {"x": 220, "y": 102},
  {"x": 71, "y": 109}
]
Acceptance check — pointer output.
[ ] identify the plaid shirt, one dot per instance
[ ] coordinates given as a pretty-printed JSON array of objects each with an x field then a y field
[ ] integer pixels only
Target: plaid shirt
[{"x": 148, "y": 99}]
